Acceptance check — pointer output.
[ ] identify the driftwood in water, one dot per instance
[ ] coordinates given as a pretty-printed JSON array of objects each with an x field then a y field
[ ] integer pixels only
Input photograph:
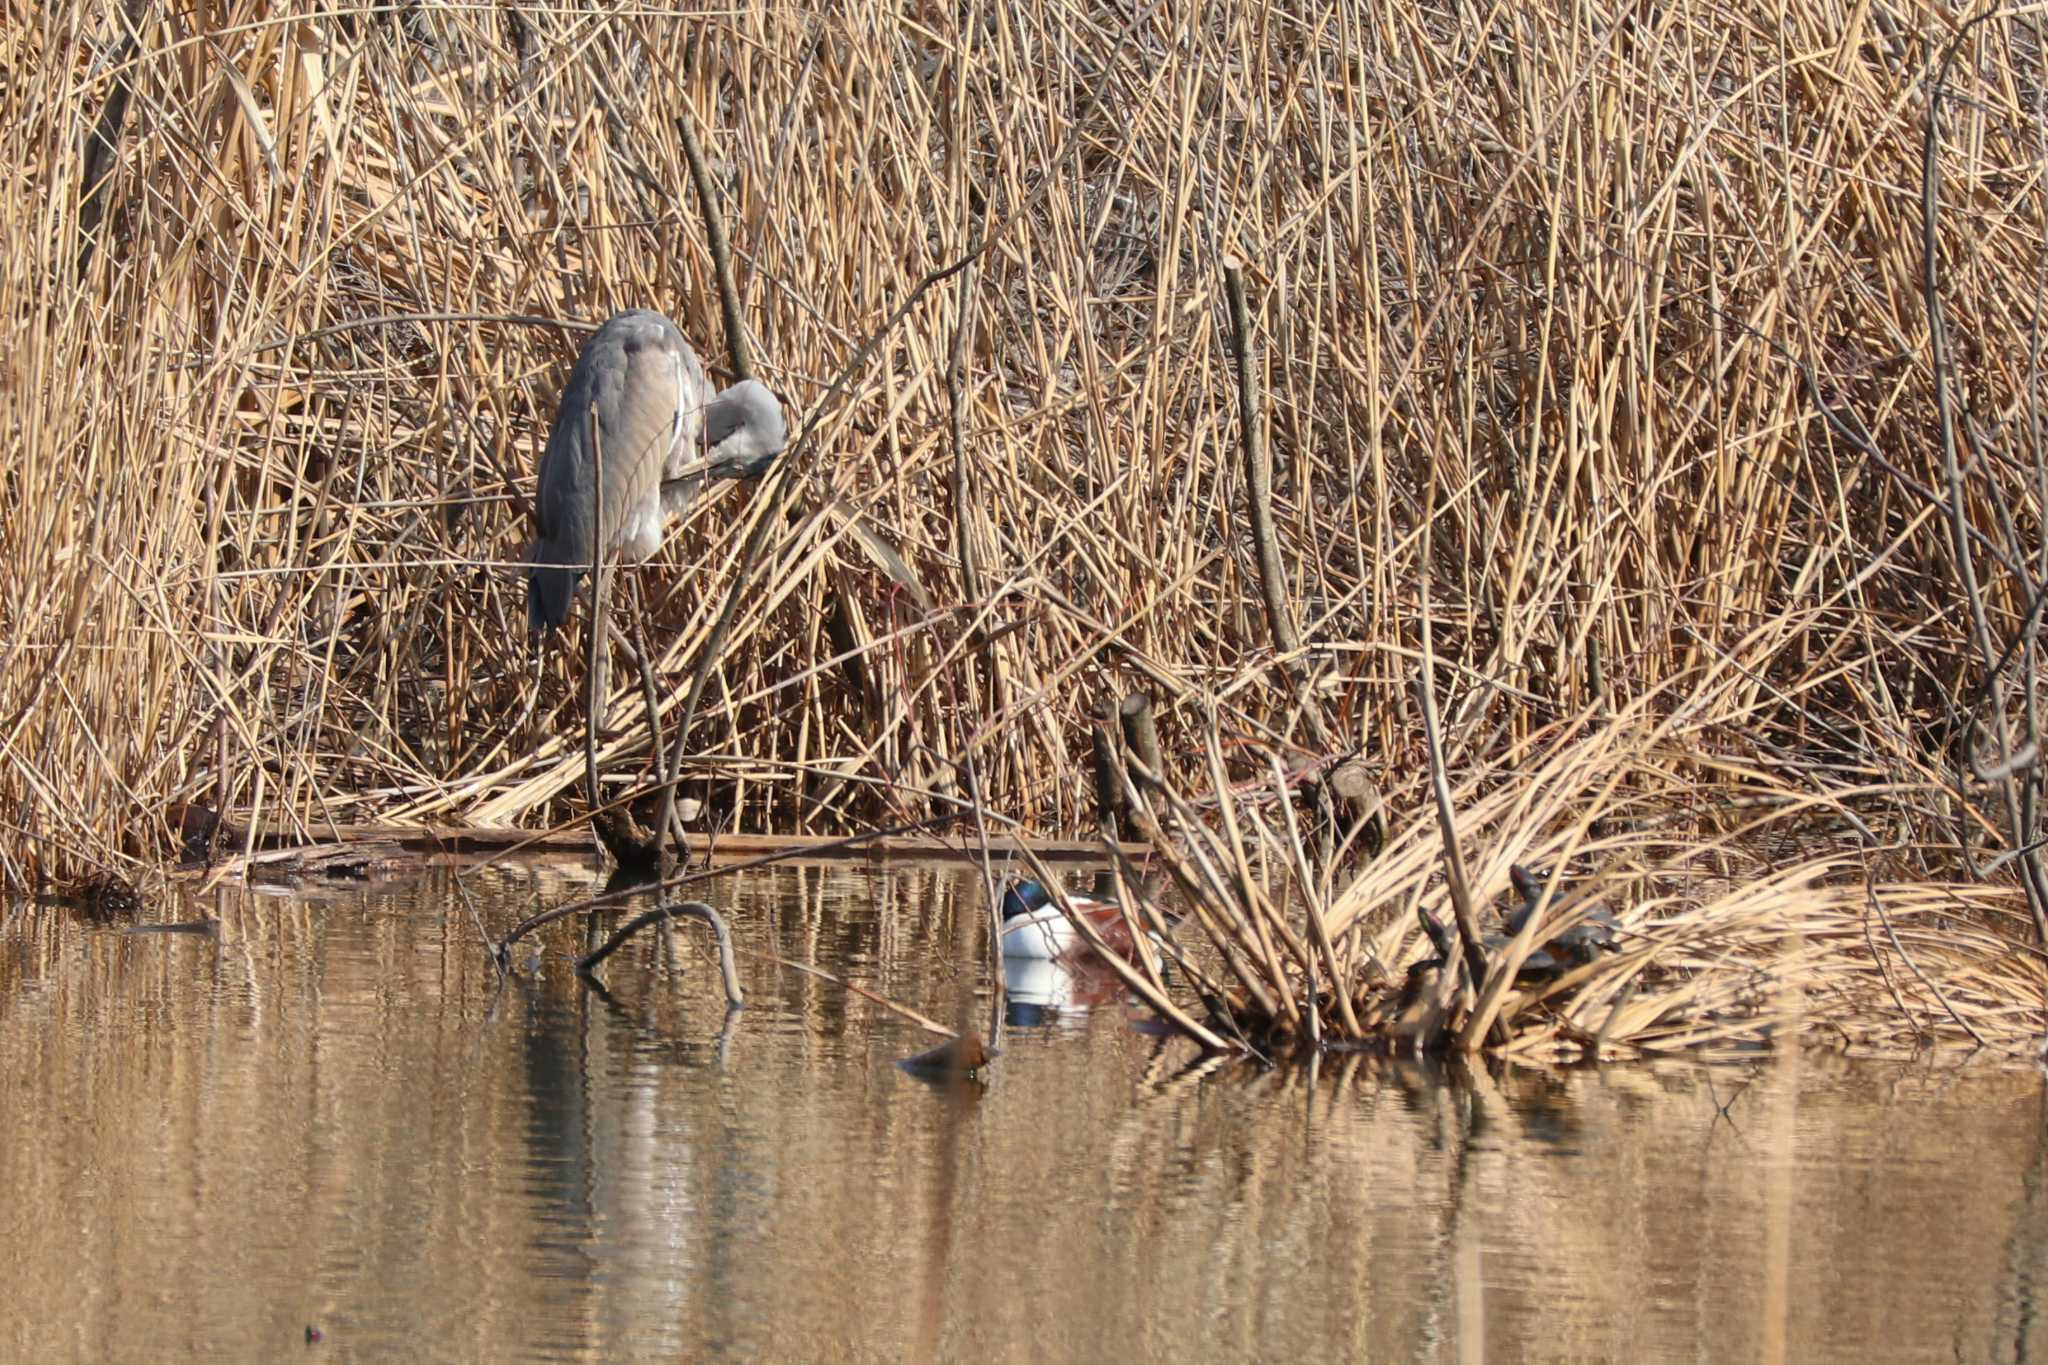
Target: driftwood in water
[{"x": 734, "y": 996}]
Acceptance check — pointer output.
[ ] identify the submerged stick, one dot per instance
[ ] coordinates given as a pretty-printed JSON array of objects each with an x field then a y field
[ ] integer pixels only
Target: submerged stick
[
  {"x": 662, "y": 914},
  {"x": 501, "y": 950},
  {"x": 925, "y": 1022}
]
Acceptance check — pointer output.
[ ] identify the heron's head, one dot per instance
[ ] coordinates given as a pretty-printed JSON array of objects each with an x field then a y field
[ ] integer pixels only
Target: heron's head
[{"x": 744, "y": 430}]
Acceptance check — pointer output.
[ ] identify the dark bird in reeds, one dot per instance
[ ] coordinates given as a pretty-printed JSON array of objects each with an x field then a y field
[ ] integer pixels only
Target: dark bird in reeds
[{"x": 1594, "y": 934}]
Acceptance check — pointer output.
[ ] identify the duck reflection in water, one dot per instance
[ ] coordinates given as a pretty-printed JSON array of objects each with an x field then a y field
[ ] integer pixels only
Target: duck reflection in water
[
  {"x": 1039, "y": 991},
  {"x": 1050, "y": 971}
]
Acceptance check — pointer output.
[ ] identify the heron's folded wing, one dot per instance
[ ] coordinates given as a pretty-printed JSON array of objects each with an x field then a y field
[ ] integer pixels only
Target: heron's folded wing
[
  {"x": 642, "y": 415},
  {"x": 633, "y": 402}
]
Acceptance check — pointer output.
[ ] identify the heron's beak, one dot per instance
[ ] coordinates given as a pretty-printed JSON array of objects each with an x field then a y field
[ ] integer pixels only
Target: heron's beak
[{"x": 694, "y": 467}]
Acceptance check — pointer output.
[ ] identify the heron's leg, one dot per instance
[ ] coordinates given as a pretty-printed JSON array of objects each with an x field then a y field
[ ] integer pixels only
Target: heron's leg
[
  {"x": 670, "y": 810},
  {"x": 597, "y": 674},
  {"x": 637, "y": 649},
  {"x": 647, "y": 683}
]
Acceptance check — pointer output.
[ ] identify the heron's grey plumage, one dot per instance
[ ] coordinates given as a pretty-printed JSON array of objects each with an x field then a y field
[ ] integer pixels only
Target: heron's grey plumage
[
  {"x": 638, "y": 403},
  {"x": 743, "y": 432},
  {"x": 744, "y": 429}
]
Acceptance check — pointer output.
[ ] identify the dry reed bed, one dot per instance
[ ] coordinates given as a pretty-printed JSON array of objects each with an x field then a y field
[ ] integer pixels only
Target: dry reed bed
[
  {"x": 271, "y": 416},
  {"x": 1747, "y": 914}
]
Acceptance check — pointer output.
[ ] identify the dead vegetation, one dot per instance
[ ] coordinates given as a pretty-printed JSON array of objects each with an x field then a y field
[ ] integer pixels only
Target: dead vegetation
[
  {"x": 1593, "y": 336},
  {"x": 1742, "y": 920}
]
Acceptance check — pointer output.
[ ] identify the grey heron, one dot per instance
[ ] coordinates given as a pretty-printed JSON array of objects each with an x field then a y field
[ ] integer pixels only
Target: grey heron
[{"x": 639, "y": 408}]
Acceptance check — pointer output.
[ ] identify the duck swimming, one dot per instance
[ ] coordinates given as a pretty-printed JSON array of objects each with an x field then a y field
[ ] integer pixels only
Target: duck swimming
[{"x": 1034, "y": 926}]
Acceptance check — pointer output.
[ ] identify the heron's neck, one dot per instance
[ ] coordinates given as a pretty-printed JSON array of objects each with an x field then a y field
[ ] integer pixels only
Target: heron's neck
[{"x": 742, "y": 447}]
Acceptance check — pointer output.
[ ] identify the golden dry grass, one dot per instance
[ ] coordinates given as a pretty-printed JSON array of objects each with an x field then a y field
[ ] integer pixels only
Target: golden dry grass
[
  {"x": 1540, "y": 277},
  {"x": 1743, "y": 919}
]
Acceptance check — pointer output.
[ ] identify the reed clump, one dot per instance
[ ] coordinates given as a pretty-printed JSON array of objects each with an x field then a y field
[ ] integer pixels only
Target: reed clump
[
  {"x": 1628, "y": 311},
  {"x": 1742, "y": 915}
]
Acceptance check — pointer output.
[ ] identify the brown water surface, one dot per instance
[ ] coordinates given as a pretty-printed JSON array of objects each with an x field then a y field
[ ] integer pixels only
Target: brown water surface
[{"x": 335, "y": 1114}]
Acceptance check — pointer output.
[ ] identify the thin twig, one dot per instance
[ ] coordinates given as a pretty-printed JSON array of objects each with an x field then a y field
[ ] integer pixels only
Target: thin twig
[
  {"x": 402, "y": 319},
  {"x": 2034, "y": 875}
]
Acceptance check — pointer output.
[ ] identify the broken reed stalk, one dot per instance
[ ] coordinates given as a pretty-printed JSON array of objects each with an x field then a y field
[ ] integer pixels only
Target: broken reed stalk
[
  {"x": 1141, "y": 731},
  {"x": 1109, "y": 806},
  {"x": 1258, "y": 496},
  {"x": 1258, "y": 472},
  {"x": 990, "y": 895},
  {"x": 1108, "y": 799},
  {"x": 965, "y": 516},
  {"x": 714, "y": 229},
  {"x": 662, "y": 914}
]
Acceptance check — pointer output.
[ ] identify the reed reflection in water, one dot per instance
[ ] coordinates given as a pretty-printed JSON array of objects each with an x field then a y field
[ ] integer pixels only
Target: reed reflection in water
[{"x": 336, "y": 1114}]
